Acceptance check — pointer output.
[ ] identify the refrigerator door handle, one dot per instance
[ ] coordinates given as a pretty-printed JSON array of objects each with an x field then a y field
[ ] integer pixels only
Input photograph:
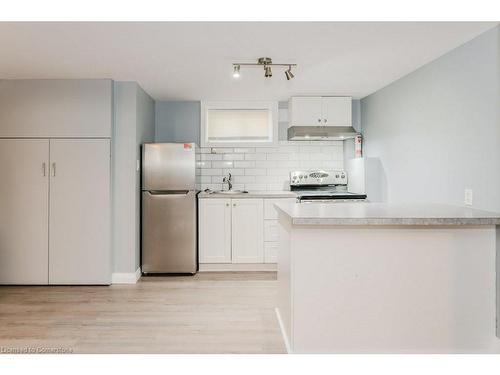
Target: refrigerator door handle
[{"x": 171, "y": 193}]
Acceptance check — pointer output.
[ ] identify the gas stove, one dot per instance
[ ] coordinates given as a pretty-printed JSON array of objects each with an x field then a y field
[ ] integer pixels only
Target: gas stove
[{"x": 322, "y": 186}]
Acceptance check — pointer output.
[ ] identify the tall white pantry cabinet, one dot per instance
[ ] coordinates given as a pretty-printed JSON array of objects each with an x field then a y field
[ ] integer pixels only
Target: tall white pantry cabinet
[{"x": 55, "y": 190}]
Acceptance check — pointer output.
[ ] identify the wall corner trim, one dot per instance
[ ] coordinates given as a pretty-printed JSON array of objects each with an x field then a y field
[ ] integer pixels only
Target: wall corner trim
[{"x": 126, "y": 278}]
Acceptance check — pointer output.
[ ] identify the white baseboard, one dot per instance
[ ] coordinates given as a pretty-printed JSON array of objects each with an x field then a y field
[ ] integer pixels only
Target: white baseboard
[
  {"x": 126, "y": 278},
  {"x": 235, "y": 267},
  {"x": 283, "y": 332}
]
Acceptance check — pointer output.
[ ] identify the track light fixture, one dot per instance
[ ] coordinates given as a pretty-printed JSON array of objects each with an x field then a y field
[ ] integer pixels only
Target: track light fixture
[{"x": 267, "y": 63}]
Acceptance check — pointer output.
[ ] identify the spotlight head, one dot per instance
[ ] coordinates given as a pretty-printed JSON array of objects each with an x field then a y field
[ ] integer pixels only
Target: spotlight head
[
  {"x": 268, "y": 72},
  {"x": 236, "y": 71},
  {"x": 288, "y": 73}
]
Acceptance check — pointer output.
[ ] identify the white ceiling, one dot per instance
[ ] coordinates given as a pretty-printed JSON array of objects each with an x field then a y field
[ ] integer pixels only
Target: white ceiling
[{"x": 192, "y": 61}]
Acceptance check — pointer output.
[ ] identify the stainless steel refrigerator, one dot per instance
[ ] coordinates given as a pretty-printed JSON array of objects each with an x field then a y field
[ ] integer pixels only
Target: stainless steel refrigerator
[{"x": 169, "y": 208}]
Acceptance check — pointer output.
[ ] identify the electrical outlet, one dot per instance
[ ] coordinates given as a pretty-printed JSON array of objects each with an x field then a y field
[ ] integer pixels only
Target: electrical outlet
[{"x": 468, "y": 197}]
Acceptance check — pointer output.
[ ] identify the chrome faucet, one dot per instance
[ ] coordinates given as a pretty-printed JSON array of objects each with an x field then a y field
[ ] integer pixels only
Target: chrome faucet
[{"x": 228, "y": 180}]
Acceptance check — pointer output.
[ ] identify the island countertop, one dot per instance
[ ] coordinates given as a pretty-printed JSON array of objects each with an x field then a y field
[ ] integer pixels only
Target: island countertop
[{"x": 385, "y": 214}]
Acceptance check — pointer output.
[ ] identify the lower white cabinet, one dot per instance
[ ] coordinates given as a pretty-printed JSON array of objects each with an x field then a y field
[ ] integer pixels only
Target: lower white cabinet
[
  {"x": 247, "y": 231},
  {"x": 55, "y": 211},
  {"x": 231, "y": 230},
  {"x": 238, "y": 230},
  {"x": 214, "y": 217}
]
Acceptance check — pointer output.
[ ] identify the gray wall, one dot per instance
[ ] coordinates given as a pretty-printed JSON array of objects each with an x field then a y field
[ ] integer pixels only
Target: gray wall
[
  {"x": 437, "y": 130},
  {"x": 145, "y": 120},
  {"x": 134, "y": 124},
  {"x": 56, "y": 108},
  {"x": 177, "y": 122}
]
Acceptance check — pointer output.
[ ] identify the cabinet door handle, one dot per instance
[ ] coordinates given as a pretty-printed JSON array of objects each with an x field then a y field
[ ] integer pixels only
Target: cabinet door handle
[
  {"x": 43, "y": 169},
  {"x": 319, "y": 120},
  {"x": 324, "y": 120},
  {"x": 53, "y": 169},
  {"x": 227, "y": 204},
  {"x": 234, "y": 204}
]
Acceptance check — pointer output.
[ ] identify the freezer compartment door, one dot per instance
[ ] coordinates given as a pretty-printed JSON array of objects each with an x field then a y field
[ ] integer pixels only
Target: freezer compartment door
[
  {"x": 169, "y": 232},
  {"x": 168, "y": 166}
]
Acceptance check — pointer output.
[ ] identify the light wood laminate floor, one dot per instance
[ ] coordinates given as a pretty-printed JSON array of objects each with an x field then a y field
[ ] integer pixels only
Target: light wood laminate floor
[{"x": 207, "y": 313}]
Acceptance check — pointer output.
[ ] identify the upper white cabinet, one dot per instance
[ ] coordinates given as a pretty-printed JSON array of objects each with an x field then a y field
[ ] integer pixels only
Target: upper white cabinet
[
  {"x": 247, "y": 231},
  {"x": 56, "y": 108},
  {"x": 320, "y": 111},
  {"x": 215, "y": 230}
]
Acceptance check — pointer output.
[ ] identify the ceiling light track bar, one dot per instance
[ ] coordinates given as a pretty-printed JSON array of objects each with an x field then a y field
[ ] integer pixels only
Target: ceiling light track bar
[{"x": 267, "y": 64}]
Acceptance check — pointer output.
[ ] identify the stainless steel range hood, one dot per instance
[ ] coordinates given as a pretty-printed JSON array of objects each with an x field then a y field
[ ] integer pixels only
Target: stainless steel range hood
[{"x": 320, "y": 133}]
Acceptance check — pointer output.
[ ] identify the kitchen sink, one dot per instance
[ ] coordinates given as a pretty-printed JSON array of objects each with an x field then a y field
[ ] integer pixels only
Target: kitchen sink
[{"x": 230, "y": 192}]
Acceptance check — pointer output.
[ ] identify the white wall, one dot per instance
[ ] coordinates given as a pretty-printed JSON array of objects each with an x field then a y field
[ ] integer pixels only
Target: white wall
[
  {"x": 134, "y": 124},
  {"x": 437, "y": 130}
]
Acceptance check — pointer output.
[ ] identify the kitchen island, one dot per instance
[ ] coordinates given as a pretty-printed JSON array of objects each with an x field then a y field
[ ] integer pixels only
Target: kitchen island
[{"x": 379, "y": 278}]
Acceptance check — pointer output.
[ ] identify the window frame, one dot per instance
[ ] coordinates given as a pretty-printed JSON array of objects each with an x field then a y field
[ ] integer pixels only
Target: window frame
[{"x": 272, "y": 106}]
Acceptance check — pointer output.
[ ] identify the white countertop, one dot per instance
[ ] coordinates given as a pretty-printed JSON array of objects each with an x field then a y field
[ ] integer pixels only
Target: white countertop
[
  {"x": 385, "y": 214},
  {"x": 250, "y": 194}
]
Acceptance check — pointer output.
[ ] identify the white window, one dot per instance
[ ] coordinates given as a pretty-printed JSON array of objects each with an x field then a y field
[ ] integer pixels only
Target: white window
[{"x": 239, "y": 123}]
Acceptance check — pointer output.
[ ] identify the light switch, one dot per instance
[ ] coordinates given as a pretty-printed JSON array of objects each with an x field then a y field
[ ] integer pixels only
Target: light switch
[{"x": 468, "y": 197}]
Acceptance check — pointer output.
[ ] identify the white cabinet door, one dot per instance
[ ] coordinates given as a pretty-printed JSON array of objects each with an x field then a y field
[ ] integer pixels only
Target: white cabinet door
[
  {"x": 337, "y": 111},
  {"x": 24, "y": 190},
  {"x": 79, "y": 224},
  {"x": 248, "y": 230},
  {"x": 215, "y": 230},
  {"x": 305, "y": 111}
]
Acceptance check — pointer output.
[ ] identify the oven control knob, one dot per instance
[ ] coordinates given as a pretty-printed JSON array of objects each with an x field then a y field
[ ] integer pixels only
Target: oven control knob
[
  {"x": 342, "y": 176},
  {"x": 305, "y": 176},
  {"x": 336, "y": 176}
]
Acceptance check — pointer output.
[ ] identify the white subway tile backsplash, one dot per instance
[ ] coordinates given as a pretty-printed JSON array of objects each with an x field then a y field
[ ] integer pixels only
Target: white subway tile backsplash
[
  {"x": 255, "y": 156},
  {"x": 278, "y": 172},
  {"x": 234, "y": 172},
  {"x": 266, "y": 163},
  {"x": 205, "y": 179},
  {"x": 211, "y": 172},
  {"x": 204, "y": 164},
  {"x": 266, "y": 150},
  {"x": 217, "y": 179},
  {"x": 244, "y": 150},
  {"x": 222, "y": 164},
  {"x": 244, "y": 179},
  {"x": 255, "y": 172},
  {"x": 221, "y": 150},
  {"x": 278, "y": 156},
  {"x": 244, "y": 164},
  {"x": 320, "y": 156},
  {"x": 210, "y": 157},
  {"x": 265, "y": 168},
  {"x": 233, "y": 157},
  {"x": 255, "y": 187}
]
